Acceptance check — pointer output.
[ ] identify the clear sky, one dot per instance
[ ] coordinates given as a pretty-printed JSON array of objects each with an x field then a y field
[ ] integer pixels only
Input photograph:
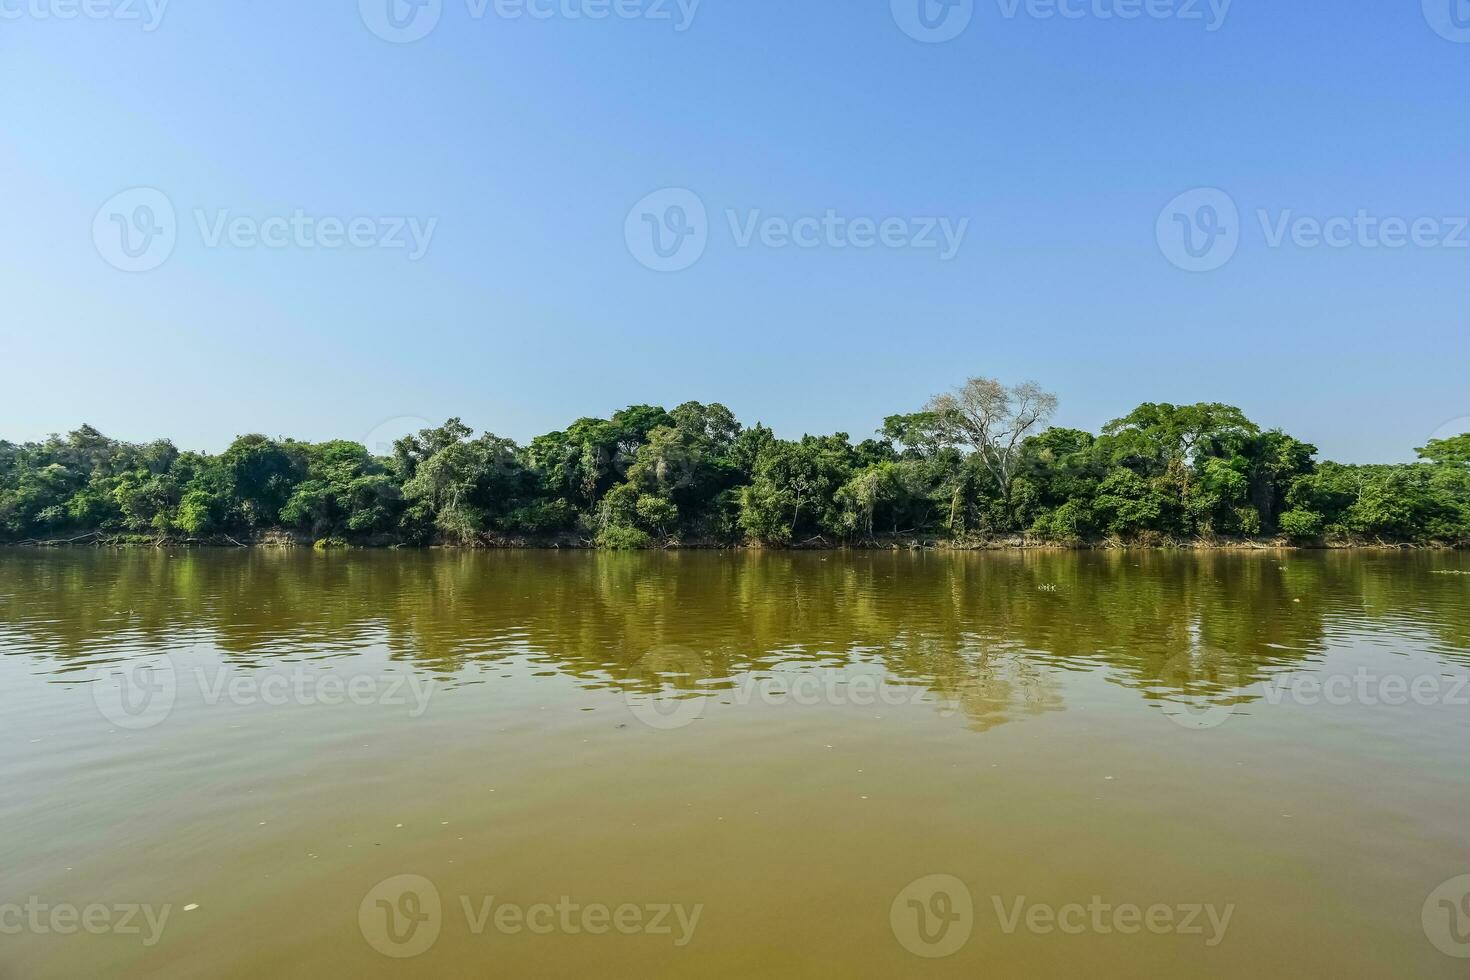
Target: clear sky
[{"x": 530, "y": 141}]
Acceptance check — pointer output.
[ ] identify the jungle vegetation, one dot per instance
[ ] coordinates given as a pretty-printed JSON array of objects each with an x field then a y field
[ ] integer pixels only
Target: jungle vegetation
[{"x": 976, "y": 464}]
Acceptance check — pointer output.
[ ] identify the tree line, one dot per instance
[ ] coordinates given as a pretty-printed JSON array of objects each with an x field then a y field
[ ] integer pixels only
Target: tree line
[{"x": 976, "y": 464}]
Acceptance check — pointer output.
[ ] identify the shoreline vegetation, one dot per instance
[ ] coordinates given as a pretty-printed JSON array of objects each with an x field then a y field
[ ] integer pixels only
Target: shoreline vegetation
[
  {"x": 275, "y": 539},
  {"x": 975, "y": 468}
]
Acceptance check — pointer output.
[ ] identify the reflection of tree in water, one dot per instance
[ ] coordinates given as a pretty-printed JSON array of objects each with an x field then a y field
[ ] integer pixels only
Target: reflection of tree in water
[
  {"x": 988, "y": 632},
  {"x": 989, "y": 684}
]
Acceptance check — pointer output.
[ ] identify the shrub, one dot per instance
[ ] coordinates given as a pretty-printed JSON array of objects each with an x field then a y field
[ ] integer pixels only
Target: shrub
[
  {"x": 1301, "y": 525},
  {"x": 1248, "y": 520},
  {"x": 620, "y": 537}
]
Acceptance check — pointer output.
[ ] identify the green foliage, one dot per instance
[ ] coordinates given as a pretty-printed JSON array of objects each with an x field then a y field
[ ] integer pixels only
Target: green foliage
[
  {"x": 1454, "y": 451},
  {"x": 623, "y": 538},
  {"x": 1072, "y": 521},
  {"x": 792, "y": 495},
  {"x": 345, "y": 490},
  {"x": 1128, "y": 504},
  {"x": 1302, "y": 525},
  {"x": 648, "y": 476}
]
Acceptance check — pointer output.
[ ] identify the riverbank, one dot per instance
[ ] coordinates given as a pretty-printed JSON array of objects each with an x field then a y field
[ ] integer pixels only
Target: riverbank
[
  {"x": 1193, "y": 476},
  {"x": 281, "y": 539}
]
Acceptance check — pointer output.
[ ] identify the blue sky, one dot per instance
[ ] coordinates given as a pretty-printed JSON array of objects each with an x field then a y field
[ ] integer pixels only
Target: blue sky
[{"x": 526, "y": 141}]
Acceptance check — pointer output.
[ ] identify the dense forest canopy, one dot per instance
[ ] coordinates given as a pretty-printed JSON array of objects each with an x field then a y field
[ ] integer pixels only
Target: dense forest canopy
[{"x": 976, "y": 463}]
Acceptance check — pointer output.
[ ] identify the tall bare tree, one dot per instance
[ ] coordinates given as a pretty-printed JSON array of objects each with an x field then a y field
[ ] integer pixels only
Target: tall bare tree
[{"x": 992, "y": 420}]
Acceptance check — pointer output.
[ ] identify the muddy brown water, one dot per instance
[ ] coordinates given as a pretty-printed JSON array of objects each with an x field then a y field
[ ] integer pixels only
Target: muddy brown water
[{"x": 293, "y": 764}]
